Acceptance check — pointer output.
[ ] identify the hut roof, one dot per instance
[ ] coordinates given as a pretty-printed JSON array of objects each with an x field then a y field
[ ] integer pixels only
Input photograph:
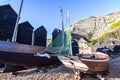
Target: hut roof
[
  {"x": 8, "y": 7},
  {"x": 41, "y": 28},
  {"x": 56, "y": 30},
  {"x": 25, "y": 24}
]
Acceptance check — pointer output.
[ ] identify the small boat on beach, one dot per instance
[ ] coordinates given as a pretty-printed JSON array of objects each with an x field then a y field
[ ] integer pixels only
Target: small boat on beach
[{"x": 88, "y": 63}]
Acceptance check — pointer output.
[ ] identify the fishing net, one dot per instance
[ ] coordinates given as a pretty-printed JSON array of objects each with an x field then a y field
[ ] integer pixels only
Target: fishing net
[{"x": 61, "y": 44}]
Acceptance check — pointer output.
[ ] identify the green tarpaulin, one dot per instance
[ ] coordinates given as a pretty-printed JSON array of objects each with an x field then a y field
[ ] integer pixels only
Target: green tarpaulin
[{"x": 61, "y": 45}]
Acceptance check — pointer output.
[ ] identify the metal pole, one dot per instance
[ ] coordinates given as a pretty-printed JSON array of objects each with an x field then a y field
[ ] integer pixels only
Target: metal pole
[
  {"x": 16, "y": 25},
  {"x": 33, "y": 36}
]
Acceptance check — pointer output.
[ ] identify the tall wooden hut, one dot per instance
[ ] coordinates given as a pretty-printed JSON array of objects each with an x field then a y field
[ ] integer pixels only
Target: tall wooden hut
[
  {"x": 7, "y": 22},
  {"x": 40, "y": 36},
  {"x": 55, "y": 33},
  {"x": 24, "y": 34}
]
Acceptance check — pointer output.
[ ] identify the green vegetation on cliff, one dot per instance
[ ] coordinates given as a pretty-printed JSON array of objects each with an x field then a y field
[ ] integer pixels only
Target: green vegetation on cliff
[
  {"x": 89, "y": 37},
  {"x": 115, "y": 25},
  {"x": 113, "y": 32}
]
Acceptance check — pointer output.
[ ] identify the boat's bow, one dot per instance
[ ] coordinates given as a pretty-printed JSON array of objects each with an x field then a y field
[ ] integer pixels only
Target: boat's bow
[{"x": 73, "y": 62}]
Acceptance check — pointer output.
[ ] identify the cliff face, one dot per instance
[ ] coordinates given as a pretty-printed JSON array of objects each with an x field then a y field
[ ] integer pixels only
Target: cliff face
[{"x": 95, "y": 25}]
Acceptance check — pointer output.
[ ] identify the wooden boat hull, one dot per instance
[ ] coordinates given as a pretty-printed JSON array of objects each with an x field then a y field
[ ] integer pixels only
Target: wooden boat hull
[
  {"x": 23, "y": 55},
  {"x": 87, "y": 64},
  {"x": 24, "y": 59},
  {"x": 19, "y": 48},
  {"x": 96, "y": 65}
]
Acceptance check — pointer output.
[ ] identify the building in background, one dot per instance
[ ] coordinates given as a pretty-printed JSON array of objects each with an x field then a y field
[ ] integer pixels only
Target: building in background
[
  {"x": 83, "y": 46},
  {"x": 49, "y": 41}
]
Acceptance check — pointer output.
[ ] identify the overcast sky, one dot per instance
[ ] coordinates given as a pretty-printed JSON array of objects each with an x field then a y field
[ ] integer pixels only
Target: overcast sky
[{"x": 47, "y": 12}]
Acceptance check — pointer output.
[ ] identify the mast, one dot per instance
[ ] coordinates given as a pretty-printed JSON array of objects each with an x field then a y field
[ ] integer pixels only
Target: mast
[
  {"x": 16, "y": 25},
  {"x": 63, "y": 44},
  {"x": 68, "y": 22},
  {"x": 61, "y": 11}
]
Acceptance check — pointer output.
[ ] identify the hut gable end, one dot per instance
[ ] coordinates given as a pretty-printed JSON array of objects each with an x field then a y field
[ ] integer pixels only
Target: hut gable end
[
  {"x": 40, "y": 36},
  {"x": 25, "y": 31},
  {"x": 26, "y": 25},
  {"x": 7, "y": 22}
]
